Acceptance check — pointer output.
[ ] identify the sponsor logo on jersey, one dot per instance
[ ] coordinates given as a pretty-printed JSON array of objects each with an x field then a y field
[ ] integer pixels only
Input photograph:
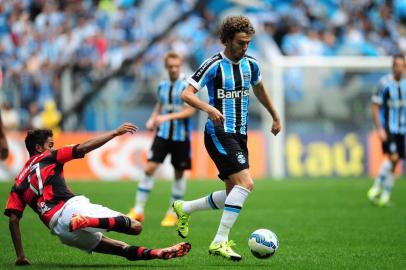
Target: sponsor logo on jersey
[{"x": 221, "y": 93}]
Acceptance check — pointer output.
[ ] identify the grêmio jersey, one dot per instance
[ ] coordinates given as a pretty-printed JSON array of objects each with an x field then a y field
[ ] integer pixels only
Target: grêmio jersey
[
  {"x": 41, "y": 185},
  {"x": 169, "y": 95},
  {"x": 228, "y": 84},
  {"x": 391, "y": 96}
]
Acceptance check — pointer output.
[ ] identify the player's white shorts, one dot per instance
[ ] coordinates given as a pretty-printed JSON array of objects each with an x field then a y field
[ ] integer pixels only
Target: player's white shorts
[{"x": 85, "y": 239}]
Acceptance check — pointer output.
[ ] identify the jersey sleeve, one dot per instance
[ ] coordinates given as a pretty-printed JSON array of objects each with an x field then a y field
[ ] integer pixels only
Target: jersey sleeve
[
  {"x": 15, "y": 205},
  {"x": 66, "y": 153},
  {"x": 205, "y": 73},
  {"x": 378, "y": 93},
  {"x": 256, "y": 76}
]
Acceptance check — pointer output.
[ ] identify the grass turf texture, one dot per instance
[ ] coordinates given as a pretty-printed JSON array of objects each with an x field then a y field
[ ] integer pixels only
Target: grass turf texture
[{"x": 321, "y": 224}]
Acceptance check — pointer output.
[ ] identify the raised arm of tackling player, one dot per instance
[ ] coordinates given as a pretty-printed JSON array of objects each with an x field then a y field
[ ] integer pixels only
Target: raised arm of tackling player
[
  {"x": 265, "y": 99},
  {"x": 96, "y": 142},
  {"x": 189, "y": 96}
]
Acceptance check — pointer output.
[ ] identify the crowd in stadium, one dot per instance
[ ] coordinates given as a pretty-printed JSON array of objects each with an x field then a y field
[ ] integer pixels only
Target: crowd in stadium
[{"x": 39, "y": 38}]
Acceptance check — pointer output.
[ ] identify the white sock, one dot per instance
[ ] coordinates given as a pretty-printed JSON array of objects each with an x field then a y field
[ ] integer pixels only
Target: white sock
[
  {"x": 144, "y": 188},
  {"x": 214, "y": 200},
  {"x": 388, "y": 185},
  {"x": 384, "y": 171},
  {"x": 233, "y": 205},
  {"x": 178, "y": 191}
]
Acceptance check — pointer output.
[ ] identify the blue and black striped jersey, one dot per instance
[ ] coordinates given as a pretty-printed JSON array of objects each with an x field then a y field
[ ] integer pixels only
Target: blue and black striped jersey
[
  {"x": 391, "y": 96},
  {"x": 228, "y": 84},
  {"x": 169, "y": 95}
]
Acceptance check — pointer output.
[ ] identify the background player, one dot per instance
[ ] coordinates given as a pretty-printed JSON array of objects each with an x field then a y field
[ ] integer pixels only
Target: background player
[
  {"x": 389, "y": 116},
  {"x": 171, "y": 119},
  {"x": 76, "y": 221},
  {"x": 228, "y": 76}
]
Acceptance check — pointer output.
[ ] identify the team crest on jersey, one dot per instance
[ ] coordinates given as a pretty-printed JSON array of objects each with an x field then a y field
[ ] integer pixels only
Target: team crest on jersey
[
  {"x": 247, "y": 76},
  {"x": 43, "y": 208},
  {"x": 241, "y": 158}
]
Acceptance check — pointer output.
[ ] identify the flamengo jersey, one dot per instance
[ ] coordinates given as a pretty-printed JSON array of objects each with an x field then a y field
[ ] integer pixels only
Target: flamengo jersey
[
  {"x": 228, "y": 86},
  {"x": 391, "y": 95},
  {"x": 169, "y": 97},
  {"x": 41, "y": 185}
]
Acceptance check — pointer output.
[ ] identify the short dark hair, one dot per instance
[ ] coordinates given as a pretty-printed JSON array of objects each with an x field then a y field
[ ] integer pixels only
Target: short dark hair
[
  {"x": 235, "y": 24},
  {"x": 36, "y": 136},
  {"x": 400, "y": 56}
]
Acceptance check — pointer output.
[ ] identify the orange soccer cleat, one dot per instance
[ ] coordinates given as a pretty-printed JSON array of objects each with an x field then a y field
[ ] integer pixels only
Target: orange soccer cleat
[
  {"x": 136, "y": 215},
  {"x": 178, "y": 250}
]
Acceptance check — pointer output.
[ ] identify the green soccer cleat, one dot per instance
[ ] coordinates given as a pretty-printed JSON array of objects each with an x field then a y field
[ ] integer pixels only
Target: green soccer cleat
[
  {"x": 224, "y": 249},
  {"x": 373, "y": 194},
  {"x": 182, "y": 223},
  {"x": 384, "y": 201}
]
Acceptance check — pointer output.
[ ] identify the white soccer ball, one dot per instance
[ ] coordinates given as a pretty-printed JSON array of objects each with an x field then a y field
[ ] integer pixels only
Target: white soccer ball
[{"x": 263, "y": 243}]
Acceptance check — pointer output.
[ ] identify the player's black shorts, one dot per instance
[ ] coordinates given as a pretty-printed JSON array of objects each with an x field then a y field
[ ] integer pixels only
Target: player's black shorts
[
  {"x": 228, "y": 151},
  {"x": 395, "y": 144},
  {"x": 180, "y": 152}
]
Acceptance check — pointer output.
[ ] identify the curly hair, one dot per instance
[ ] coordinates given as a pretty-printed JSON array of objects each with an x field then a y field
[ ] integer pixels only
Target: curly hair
[{"x": 235, "y": 24}]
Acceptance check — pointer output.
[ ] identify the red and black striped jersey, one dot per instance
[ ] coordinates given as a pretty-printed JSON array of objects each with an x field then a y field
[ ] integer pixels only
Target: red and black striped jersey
[{"x": 41, "y": 184}]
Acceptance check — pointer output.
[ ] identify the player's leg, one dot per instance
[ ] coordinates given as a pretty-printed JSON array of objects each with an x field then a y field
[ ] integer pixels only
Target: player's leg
[
  {"x": 121, "y": 223},
  {"x": 144, "y": 188},
  {"x": 133, "y": 253},
  {"x": 388, "y": 183},
  {"x": 181, "y": 161},
  {"x": 177, "y": 193},
  {"x": 386, "y": 167},
  {"x": 158, "y": 152},
  {"x": 240, "y": 184},
  {"x": 213, "y": 201}
]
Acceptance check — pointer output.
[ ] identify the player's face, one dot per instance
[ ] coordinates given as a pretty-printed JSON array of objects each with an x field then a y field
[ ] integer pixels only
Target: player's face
[
  {"x": 173, "y": 65},
  {"x": 398, "y": 67},
  {"x": 237, "y": 47},
  {"x": 48, "y": 145}
]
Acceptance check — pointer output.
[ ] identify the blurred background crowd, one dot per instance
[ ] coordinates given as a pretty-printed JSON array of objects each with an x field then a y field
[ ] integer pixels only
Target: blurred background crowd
[{"x": 41, "y": 40}]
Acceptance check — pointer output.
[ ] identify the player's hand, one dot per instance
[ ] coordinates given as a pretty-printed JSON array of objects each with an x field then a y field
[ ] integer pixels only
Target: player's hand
[
  {"x": 276, "y": 127},
  {"x": 3, "y": 149},
  {"x": 382, "y": 134},
  {"x": 160, "y": 119},
  {"x": 21, "y": 261},
  {"x": 215, "y": 116},
  {"x": 150, "y": 125},
  {"x": 126, "y": 127}
]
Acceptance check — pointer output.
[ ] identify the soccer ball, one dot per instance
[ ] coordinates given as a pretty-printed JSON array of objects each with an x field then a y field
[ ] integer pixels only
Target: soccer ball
[{"x": 263, "y": 243}]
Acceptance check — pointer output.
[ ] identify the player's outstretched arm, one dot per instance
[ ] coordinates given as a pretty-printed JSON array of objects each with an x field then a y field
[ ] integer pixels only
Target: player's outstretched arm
[
  {"x": 265, "y": 99},
  {"x": 189, "y": 96},
  {"x": 3, "y": 142},
  {"x": 14, "y": 225},
  {"x": 96, "y": 142}
]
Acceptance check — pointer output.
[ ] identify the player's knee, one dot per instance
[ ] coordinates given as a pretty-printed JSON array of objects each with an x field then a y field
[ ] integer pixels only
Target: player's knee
[{"x": 136, "y": 227}]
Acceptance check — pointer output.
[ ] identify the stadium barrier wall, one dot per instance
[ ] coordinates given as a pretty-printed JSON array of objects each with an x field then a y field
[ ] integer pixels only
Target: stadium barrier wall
[{"x": 124, "y": 157}]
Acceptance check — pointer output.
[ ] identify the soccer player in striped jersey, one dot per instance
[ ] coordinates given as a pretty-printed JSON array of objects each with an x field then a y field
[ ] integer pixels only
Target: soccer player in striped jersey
[
  {"x": 228, "y": 77},
  {"x": 389, "y": 116},
  {"x": 74, "y": 219},
  {"x": 172, "y": 120}
]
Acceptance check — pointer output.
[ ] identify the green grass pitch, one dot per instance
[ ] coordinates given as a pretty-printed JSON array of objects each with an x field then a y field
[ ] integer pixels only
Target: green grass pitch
[{"x": 321, "y": 224}]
